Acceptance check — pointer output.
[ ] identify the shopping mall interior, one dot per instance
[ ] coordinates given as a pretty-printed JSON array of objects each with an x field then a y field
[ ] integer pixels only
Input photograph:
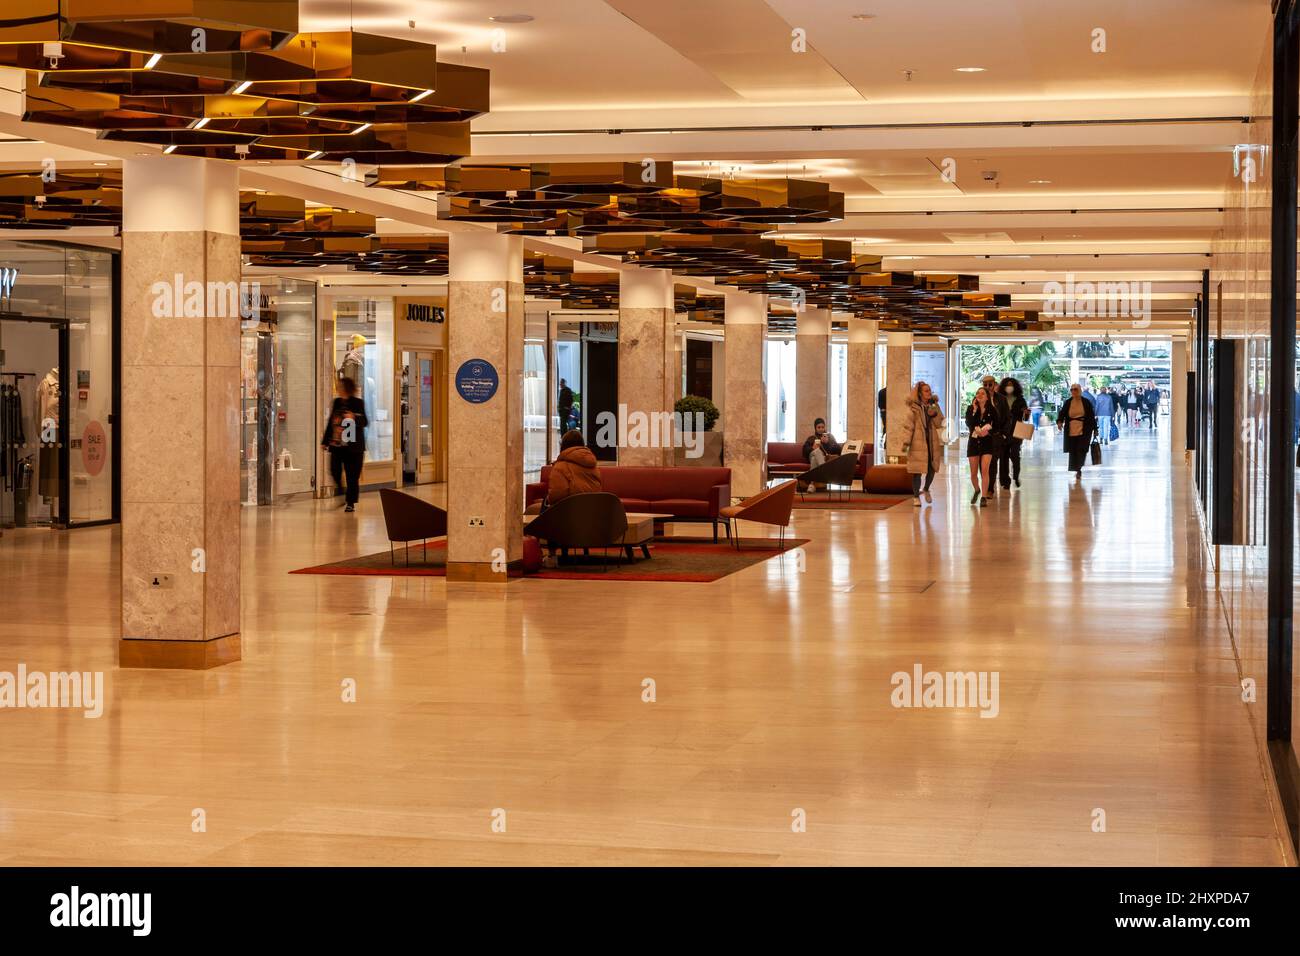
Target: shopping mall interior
[{"x": 439, "y": 432}]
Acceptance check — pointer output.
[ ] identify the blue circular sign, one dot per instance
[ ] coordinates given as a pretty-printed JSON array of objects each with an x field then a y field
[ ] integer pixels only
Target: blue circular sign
[{"x": 477, "y": 381}]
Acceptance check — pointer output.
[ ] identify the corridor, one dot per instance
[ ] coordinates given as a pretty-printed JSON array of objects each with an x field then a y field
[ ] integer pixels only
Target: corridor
[{"x": 523, "y": 705}]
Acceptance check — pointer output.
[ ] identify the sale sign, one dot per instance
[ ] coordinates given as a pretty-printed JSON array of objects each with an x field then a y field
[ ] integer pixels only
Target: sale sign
[{"x": 94, "y": 448}]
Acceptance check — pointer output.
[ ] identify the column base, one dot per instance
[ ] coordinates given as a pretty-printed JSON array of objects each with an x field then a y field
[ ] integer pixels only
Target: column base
[
  {"x": 475, "y": 571},
  {"x": 179, "y": 655}
]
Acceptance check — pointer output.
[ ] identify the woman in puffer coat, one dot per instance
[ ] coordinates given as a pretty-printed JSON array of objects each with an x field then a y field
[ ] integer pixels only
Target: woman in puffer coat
[
  {"x": 574, "y": 471},
  {"x": 923, "y": 441}
]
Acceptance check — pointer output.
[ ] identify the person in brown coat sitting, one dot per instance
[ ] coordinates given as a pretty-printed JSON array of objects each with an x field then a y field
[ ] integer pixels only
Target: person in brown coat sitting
[{"x": 574, "y": 471}]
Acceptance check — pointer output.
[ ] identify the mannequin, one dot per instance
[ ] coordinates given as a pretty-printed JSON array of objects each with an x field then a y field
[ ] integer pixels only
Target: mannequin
[
  {"x": 47, "y": 409},
  {"x": 354, "y": 364}
]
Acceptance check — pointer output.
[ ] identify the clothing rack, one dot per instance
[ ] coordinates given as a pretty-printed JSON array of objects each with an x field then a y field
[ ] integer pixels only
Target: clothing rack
[{"x": 17, "y": 375}]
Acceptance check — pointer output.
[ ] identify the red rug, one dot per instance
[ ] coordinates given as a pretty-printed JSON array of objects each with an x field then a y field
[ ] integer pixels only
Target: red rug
[
  {"x": 673, "y": 559},
  {"x": 821, "y": 501}
]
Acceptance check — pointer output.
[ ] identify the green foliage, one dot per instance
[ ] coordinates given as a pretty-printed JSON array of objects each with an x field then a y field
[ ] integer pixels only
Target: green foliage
[
  {"x": 690, "y": 404},
  {"x": 1032, "y": 364}
]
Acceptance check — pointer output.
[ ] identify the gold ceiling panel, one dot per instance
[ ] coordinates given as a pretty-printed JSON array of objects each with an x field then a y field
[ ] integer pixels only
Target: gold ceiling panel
[
  {"x": 168, "y": 26},
  {"x": 244, "y": 85},
  {"x": 324, "y": 68}
]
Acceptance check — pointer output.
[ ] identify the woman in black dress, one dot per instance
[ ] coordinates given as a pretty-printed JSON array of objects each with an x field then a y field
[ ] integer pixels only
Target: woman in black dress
[
  {"x": 1077, "y": 421},
  {"x": 983, "y": 420}
]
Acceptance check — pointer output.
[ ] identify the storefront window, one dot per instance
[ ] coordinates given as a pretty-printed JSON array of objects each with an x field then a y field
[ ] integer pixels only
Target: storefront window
[
  {"x": 779, "y": 372},
  {"x": 363, "y": 351},
  {"x": 57, "y": 385},
  {"x": 89, "y": 302},
  {"x": 279, "y": 424},
  {"x": 839, "y": 390}
]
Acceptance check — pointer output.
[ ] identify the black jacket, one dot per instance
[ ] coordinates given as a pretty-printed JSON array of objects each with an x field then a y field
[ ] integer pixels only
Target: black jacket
[
  {"x": 992, "y": 415},
  {"x": 1089, "y": 423},
  {"x": 342, "y": 409},
  {"x": 1017, "y": 411},
  {"x": 829, "y": 445}
]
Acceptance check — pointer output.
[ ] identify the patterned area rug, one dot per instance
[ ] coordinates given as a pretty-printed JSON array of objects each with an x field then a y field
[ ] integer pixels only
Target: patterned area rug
[{"x": 672, "y": 559}]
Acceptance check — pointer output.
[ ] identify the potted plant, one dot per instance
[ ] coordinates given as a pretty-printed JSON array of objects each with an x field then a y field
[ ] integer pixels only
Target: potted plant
[{"x": 701, "y": 445}]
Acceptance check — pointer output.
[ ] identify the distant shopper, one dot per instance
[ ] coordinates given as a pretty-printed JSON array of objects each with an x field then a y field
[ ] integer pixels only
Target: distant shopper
[
  {"x": 1077, "y": 420},
  {"x": 983, "y": 420},
  {"x": 574, "y": 471},
  {"x": 1104, "y": 406},
  {"x": 1017, "y": 411},
  {"x": 1131, "y": 406},
  {"x": 923, "y": 440},
  {"x": 565, "y": 404},
  {"x": 821, "y": 444},
  {"x": 1151, "y": 399},
  {"x": 880, "y": 405},
  {"x": 345, "y": 439}
]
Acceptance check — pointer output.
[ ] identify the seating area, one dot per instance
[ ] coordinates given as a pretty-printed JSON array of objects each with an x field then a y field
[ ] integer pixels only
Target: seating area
[
  {"x": 681, "y": 494},
  {"x": 785, "y": 460}
]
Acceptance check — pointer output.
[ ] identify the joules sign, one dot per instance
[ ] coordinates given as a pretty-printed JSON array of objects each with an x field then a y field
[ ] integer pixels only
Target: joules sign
[{"x": 419, "y": 312}]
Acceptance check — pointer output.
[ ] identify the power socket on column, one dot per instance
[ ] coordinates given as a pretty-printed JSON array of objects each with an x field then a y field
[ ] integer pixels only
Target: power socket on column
[
  {"x": 160, "y": 581},
  {"x": 476, "y": 522}
]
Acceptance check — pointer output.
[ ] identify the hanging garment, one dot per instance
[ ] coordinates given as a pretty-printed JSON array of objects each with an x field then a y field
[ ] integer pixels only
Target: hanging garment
[
  {"x": 13, "y": 435},
  {"x": 47, "y": 463}
]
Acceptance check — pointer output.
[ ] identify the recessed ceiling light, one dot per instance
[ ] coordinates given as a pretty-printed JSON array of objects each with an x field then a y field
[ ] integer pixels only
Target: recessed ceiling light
[
  {"x": 512, "y": 18},
  {"x": 169, "y": 150},
  {"x": 864, "y": 16},
  {"x": 153, "y": 61},
  {"x": 99, "y": 164},
  {"x": 970, "y": 69},
  {"x": 241, "y": 87},
  {"x": 419, "y": 96},
  {"x": 1040, "y": 182}
]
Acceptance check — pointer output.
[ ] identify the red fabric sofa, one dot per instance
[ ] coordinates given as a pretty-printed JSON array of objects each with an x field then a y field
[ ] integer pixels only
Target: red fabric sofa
[
  {"x": 785, "y": 460},
  {"x": 686, "y": 493}
]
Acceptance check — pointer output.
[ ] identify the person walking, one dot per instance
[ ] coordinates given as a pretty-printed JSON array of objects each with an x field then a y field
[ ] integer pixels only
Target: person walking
[
  {"x": 1001, "y": 408},
  {"x": 1105, "y": 408},
  {"x": 1131, "y": 406},
  {"x": 923, "y": 441},
  {"x": 564, "y": 405},
  {"x": 345, "y": 439},
  {"x": 1078, "y": 422},
  {"x": 983, "y": 421},
  {"x": 1152, "y": 402},
  {"x": 1017, "y": 411}
]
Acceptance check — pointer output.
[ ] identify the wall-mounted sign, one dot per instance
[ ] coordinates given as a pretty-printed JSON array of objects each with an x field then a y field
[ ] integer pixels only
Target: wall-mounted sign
[
  {"x": 94, "y": 448},
  {"x": 477, "y": 381},
  {"x": 422, "y": 312}
]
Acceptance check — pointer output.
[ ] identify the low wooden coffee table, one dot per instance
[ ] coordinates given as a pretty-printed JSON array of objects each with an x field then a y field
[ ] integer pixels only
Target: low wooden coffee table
[{"x": 640, "y": 532}]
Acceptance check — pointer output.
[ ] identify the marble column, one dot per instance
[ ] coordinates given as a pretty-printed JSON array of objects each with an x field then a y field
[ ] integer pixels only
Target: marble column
[
  {"x": 180, "y": 413},
  {"x": 744, "y": 442},
  {"x": 812, "y": 359},
  {"x": 647, "y": 364},
  {"x": 862, "y": 413},
  {"x": 485, "y": 487},
  {"x": 898, "y": 387},
  {"x": 1178, "y": 400}
]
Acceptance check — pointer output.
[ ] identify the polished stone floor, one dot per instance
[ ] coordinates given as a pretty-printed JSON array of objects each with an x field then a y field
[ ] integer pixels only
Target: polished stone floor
[{"x": 523, "y": 705}]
